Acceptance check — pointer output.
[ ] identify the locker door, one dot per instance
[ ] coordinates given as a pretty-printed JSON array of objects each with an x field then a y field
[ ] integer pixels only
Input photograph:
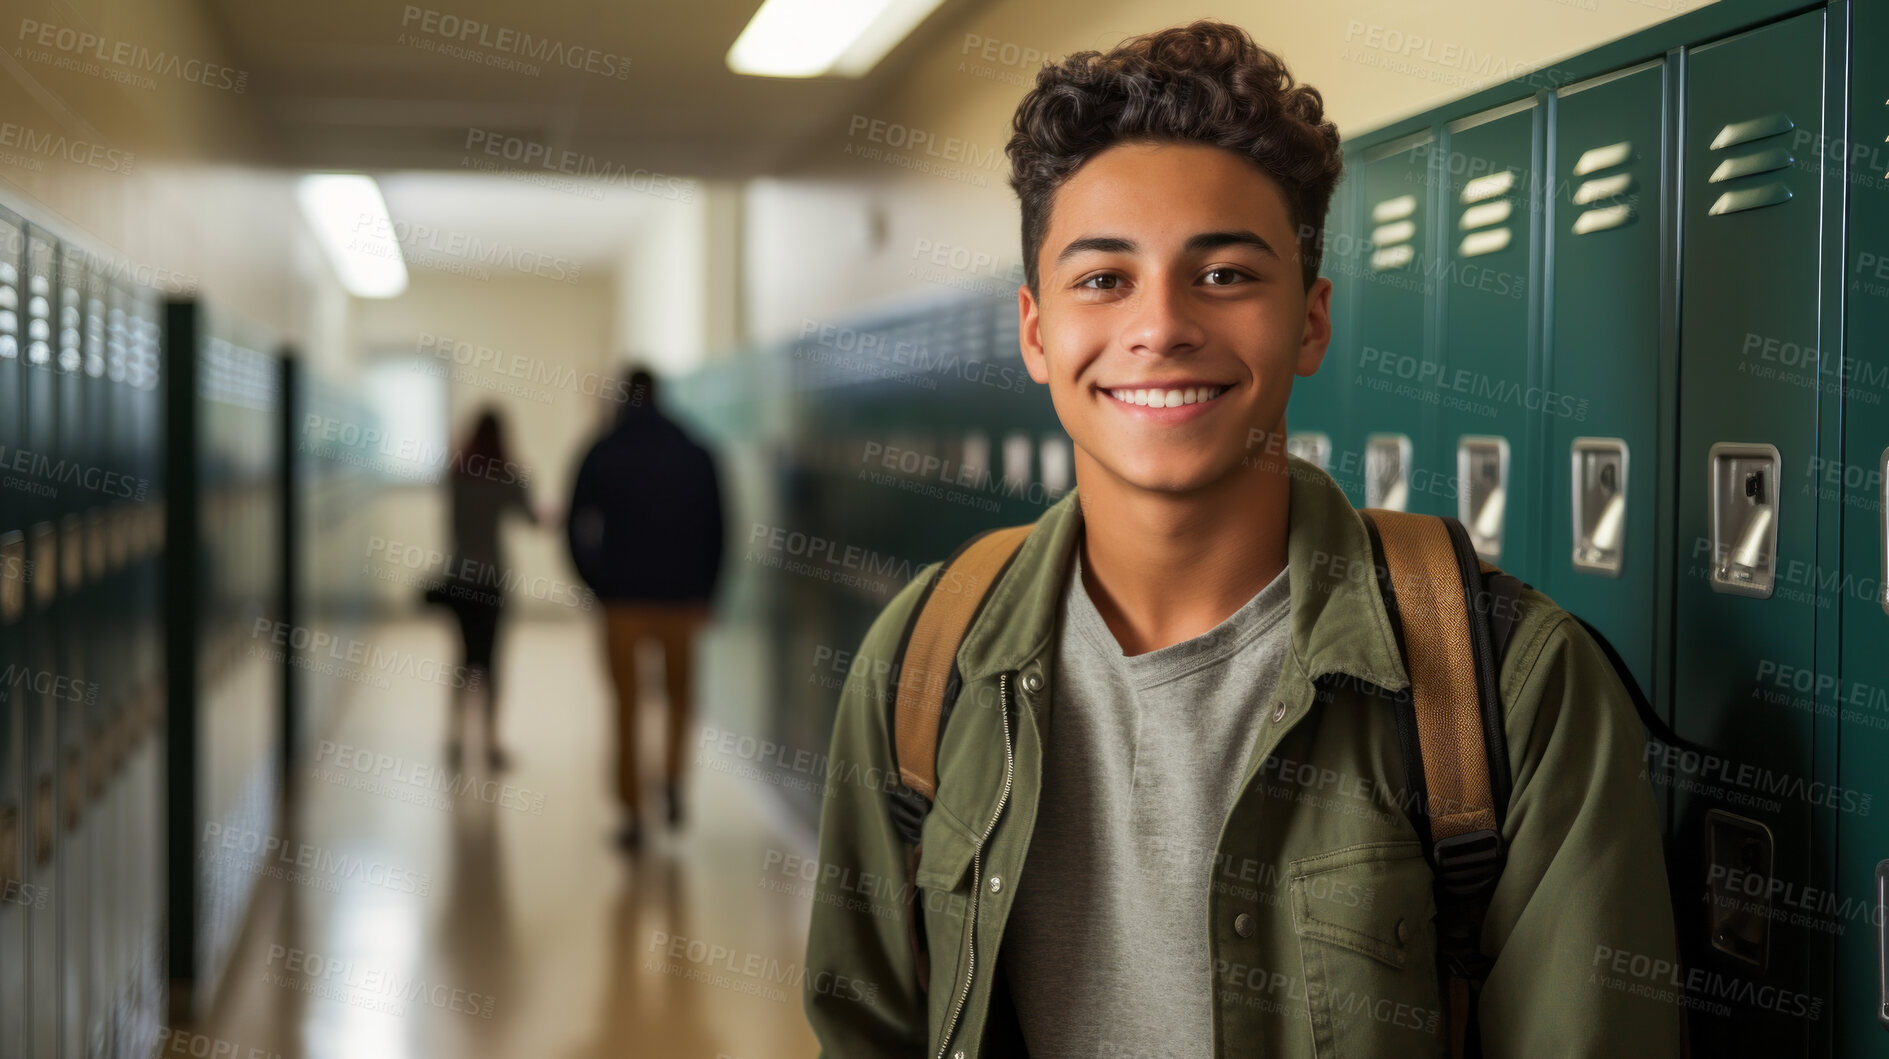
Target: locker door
[
  {"x": 120, "y": 797},
  {"x": 1389, "y": 417},
  {"x": 1600, "y": 463},
  {"x": 91, "y": 700},
  {"x": 1317, "y": 414},
  {"x": 42, "y": 746},
  {"x": 144, "y": 372},
  {"x": 1486, "y": 389},
  {"x": 16, "y": 897},
  {"x": 1863, "y": 740},
  {"x": 1746, "y": 595},
  {"x": 73, "y": 628}
]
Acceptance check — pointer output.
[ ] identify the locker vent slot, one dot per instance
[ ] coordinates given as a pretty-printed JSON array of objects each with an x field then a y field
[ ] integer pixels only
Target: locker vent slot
[
  {"x": 1751, "y": 129},
  {"x": 1599, "y": 220},
  {"x": 1485, "y": 214},
  {"x": 1595, "y": 159},
  {"x": 1394, "y": 209},
  {"x": 1395, "y": 231},
  {"x": 1758, "y": 162},
  {"x": 1606, "y": 187},
  {"x": 1488, "y": 187},
  {"x": 1751, "y": 198},
  {"x": 1751, "y": 163},
  {"x": 1485, "y": 207}
]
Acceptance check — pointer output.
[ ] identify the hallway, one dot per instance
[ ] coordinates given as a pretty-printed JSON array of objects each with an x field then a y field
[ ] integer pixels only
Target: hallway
[{"x": 416, "y": 917}]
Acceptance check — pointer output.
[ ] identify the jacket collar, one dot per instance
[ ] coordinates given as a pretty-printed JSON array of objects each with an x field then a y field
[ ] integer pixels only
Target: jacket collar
[{"x": 1338, "y": 621}]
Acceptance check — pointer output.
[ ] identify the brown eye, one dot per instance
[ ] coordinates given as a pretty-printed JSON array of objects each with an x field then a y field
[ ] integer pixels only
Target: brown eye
[
  {"x": 1229, "y": 276},
  {"x": 1105, "y": 278}
]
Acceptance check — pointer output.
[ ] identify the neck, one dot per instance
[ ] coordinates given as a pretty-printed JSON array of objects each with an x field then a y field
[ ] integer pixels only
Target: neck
[{"x": 1163, "y": 568}]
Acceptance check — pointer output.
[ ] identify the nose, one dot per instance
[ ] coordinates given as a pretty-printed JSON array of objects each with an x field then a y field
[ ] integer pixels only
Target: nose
[{"x": 1162, "y": 319}]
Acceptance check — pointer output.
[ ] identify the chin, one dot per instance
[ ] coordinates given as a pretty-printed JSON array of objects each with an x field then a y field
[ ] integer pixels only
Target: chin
[{"x": 1169, "y": 477}]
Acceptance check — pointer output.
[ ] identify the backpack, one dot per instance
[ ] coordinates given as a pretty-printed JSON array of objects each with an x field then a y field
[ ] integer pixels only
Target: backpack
[{"x": 1449, "y": 720}]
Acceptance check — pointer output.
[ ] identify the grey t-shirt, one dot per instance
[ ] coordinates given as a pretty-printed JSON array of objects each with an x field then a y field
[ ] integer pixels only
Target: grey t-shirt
[{"x": 1106, "y": 947}]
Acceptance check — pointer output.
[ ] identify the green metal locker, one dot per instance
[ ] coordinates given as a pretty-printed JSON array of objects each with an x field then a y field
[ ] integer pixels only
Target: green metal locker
[
  {"x": 1862, "y": 868},
  {"x": 1486, "y": 425},
  {"x": 1317, "y": 414},
  {"x": 1747, "y": 524},
  {"x": 16, "y": 896},
  {"x": 42, "y": 747},
  {"x": 1389, "y": 419},
  {"x": 75, "y": 618},
  {"x": 1605, "y": 375}
]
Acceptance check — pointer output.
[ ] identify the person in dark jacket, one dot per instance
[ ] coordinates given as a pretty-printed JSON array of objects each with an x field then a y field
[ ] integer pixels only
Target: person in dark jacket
[{"x": 645, "y": 532}]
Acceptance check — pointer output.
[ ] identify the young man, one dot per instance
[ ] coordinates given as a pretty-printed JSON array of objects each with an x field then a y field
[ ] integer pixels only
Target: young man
[{"x": 1167, "y": 819}]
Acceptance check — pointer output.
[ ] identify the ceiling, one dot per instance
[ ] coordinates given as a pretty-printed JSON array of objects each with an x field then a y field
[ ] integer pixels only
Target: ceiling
[{"x": 380, "y": 85}]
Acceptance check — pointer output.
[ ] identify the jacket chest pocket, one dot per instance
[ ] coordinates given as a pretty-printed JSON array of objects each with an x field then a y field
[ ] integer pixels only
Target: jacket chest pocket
[
  {"x": 944, "y": 900},
  {"x": 1365, "y": 920}
]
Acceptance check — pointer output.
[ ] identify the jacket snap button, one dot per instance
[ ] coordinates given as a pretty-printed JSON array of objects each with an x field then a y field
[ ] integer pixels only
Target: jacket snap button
[
  {"x": 1279, "y": 711},
  {"x": 1243, "y": 925},
  {"x": 1403, "y": 932},
  {"x": 996, "y": 884},
  {"x": 1033, "y": 682}
]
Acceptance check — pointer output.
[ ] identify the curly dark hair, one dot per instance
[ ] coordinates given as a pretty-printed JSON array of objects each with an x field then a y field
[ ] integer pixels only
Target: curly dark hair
[{"x": 1206, "y": 82}]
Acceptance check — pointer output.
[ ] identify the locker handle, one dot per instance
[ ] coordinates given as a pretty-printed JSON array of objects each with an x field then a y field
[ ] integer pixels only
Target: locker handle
[
  {"x": 1882, "y": 944},
  {"x": 12, "y": 576}
]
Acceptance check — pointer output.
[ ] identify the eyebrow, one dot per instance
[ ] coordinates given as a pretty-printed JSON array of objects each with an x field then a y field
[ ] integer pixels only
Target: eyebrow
[{"x": 1115, "y": 244}]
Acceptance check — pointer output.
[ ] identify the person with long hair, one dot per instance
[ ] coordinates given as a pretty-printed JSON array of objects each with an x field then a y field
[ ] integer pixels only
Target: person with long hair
[{"x": 484, "y": 484}]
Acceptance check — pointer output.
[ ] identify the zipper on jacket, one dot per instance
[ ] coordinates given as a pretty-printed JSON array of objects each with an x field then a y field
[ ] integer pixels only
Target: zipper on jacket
[{"x": 977, "y": 874}]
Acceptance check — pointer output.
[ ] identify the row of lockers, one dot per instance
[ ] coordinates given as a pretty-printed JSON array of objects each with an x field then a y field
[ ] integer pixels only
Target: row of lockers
[
  {"x": 1620, "y": 327},
  {"x": 82, "y": 948},
  {"x": 1615, "y": 316},
  {"x": 146, "y": 690}
]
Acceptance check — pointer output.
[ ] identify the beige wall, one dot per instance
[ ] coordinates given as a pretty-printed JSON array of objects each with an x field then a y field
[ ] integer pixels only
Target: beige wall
[
  {"x": 168, "y": 172},
  {"x": 846, "y": 230},
  {"x": 549, "y": 342}
]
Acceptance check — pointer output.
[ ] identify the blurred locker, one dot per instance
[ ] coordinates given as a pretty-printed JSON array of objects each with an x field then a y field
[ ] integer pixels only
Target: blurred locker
[
  {"x": 1745, "y": 594},
  {"x": 16, "y": 894},
  {"x": 1318, "y": 413},
  {"x": 1486, "y": 391},
  {"x": 94, "y": 701},
  {"x": 1863, "y": 835},
  {"x": 1603, "y": 381},
  {"x": 145, "y": 553},
  {"x": 77, "y": 478},
  {"x": 1389, "y": 418},
  {"x": 41, "y": 452}
]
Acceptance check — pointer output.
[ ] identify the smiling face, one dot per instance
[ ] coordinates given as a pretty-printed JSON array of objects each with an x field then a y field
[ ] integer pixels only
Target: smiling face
[{"x": 1170, "y": 315}]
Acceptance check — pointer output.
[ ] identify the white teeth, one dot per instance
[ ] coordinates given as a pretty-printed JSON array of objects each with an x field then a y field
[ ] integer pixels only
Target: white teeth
[{"x": 1167, "y": 398}]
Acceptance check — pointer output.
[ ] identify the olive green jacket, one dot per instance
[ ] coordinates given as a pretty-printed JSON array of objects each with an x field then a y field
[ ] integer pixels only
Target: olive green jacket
[{"x": 1320, "y": 917}]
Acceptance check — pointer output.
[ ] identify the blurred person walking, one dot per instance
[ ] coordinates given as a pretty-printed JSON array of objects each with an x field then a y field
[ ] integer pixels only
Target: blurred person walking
[
  {"x": 484, "y": 485},
  {"x": 646, "y": 534}
]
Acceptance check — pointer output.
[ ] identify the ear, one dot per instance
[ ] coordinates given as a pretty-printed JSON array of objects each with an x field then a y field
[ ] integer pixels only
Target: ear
[
  {"x": 1317, "y": 334},
  {"x": 1029, "y": 338}
]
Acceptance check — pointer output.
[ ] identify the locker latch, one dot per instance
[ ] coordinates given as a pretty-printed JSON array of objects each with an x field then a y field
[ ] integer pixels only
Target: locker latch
[
  {"x": 1738, "y": 882},
  {"x": 1482, "y": 487},
  {"x": 1744, "y": 516},
  {"x": 1600, "y": 505}
]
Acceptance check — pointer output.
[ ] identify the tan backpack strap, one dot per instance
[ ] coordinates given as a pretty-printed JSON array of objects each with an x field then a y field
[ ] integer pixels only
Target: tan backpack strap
[
  {"x": 931, "y": 649},
  {"x": 1439, "y": 653}
]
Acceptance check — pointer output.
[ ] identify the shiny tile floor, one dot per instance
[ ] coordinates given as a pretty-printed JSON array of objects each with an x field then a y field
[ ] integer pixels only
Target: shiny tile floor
[{"x": 431, "y": 923}]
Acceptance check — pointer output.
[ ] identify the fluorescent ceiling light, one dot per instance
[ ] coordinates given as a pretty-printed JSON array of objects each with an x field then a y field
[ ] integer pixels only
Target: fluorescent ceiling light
[
  {"x": 351, "y": 223},
  {"x": 810, "y": 38}
]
